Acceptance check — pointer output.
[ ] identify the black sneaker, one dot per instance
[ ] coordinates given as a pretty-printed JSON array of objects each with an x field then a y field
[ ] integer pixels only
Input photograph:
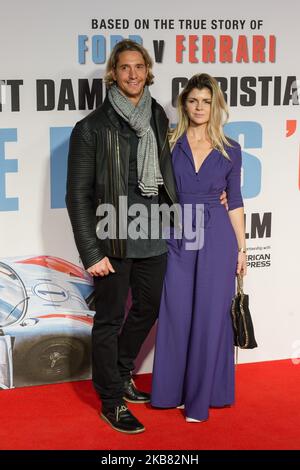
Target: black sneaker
[
  {"x": 121, "y": 419},
  {"x": 133, "y": 395}
]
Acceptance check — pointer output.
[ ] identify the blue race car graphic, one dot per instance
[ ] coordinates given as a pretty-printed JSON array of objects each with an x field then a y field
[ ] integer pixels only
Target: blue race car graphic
[{"x": 46, "y": 315}]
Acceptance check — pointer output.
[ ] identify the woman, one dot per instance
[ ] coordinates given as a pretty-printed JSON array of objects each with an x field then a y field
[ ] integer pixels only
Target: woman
[{"x": 194, "y": 354}]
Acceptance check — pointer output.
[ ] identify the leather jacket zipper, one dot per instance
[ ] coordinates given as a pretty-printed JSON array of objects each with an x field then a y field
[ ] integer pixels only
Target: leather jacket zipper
[
  {"x": 122, "y": 243},
  {"x": 167, "y": 191},
  {"x": 118, "y": 184},
  {"x": 109, "y": 143}
]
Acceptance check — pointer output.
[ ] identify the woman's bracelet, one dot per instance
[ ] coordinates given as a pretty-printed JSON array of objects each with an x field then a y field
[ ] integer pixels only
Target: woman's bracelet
[{"x": 242, "y": 250}]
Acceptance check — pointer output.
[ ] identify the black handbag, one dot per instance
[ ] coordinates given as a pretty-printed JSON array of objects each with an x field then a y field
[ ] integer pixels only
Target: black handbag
[{"x": 241, "y": 319}]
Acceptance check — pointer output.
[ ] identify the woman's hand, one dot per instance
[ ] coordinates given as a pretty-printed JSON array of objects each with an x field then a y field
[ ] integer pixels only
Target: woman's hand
[{"x": 242, "y": 264}]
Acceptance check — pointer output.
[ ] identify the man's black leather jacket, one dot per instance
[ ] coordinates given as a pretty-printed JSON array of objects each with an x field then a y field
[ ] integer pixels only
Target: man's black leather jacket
[{"x": 98, "y": 173}]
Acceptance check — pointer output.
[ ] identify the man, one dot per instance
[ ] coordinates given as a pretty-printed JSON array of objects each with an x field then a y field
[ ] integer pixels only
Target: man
[{"x": 121, "y": 149}]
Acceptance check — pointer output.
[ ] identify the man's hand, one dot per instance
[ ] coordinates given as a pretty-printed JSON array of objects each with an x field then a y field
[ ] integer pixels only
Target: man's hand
[
  {"x": 102, "y": 268},
  {"x": 223, "y": 199}
]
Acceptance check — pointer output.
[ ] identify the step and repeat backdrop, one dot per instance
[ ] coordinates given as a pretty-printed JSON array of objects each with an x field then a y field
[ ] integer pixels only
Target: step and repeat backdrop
[{"x": 53, "y": 57}]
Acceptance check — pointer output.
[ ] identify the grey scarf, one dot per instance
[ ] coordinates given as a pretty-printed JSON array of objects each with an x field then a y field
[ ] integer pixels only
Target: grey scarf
[{"x": 138, "y": 117}]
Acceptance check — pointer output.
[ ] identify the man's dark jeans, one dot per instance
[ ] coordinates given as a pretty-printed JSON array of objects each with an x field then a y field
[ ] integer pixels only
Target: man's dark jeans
[{"x": 114, "y": 351}]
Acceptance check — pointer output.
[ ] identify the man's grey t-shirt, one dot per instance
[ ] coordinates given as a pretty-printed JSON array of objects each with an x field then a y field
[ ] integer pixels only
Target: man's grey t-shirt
[{"x": 144, "y": 246}]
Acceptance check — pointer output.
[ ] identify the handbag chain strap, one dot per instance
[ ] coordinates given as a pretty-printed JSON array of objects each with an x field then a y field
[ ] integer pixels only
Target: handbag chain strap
[{"x": 240, "y": 286}]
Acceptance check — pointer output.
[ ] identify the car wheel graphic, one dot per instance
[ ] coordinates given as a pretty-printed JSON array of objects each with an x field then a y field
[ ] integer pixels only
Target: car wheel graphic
[{"x": 56, "y": 359}]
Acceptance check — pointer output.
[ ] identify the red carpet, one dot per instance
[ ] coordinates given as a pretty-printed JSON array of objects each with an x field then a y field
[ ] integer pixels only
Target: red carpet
[{"x": 65, "y": 416}]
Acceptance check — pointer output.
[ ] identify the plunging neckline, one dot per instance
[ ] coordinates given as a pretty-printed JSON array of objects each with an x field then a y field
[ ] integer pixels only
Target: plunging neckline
[{"x": 203, "y": 161}]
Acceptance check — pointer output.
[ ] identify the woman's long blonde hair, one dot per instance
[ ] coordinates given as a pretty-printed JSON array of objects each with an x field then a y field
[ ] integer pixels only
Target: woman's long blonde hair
[{"x": 218, "y": 112}]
